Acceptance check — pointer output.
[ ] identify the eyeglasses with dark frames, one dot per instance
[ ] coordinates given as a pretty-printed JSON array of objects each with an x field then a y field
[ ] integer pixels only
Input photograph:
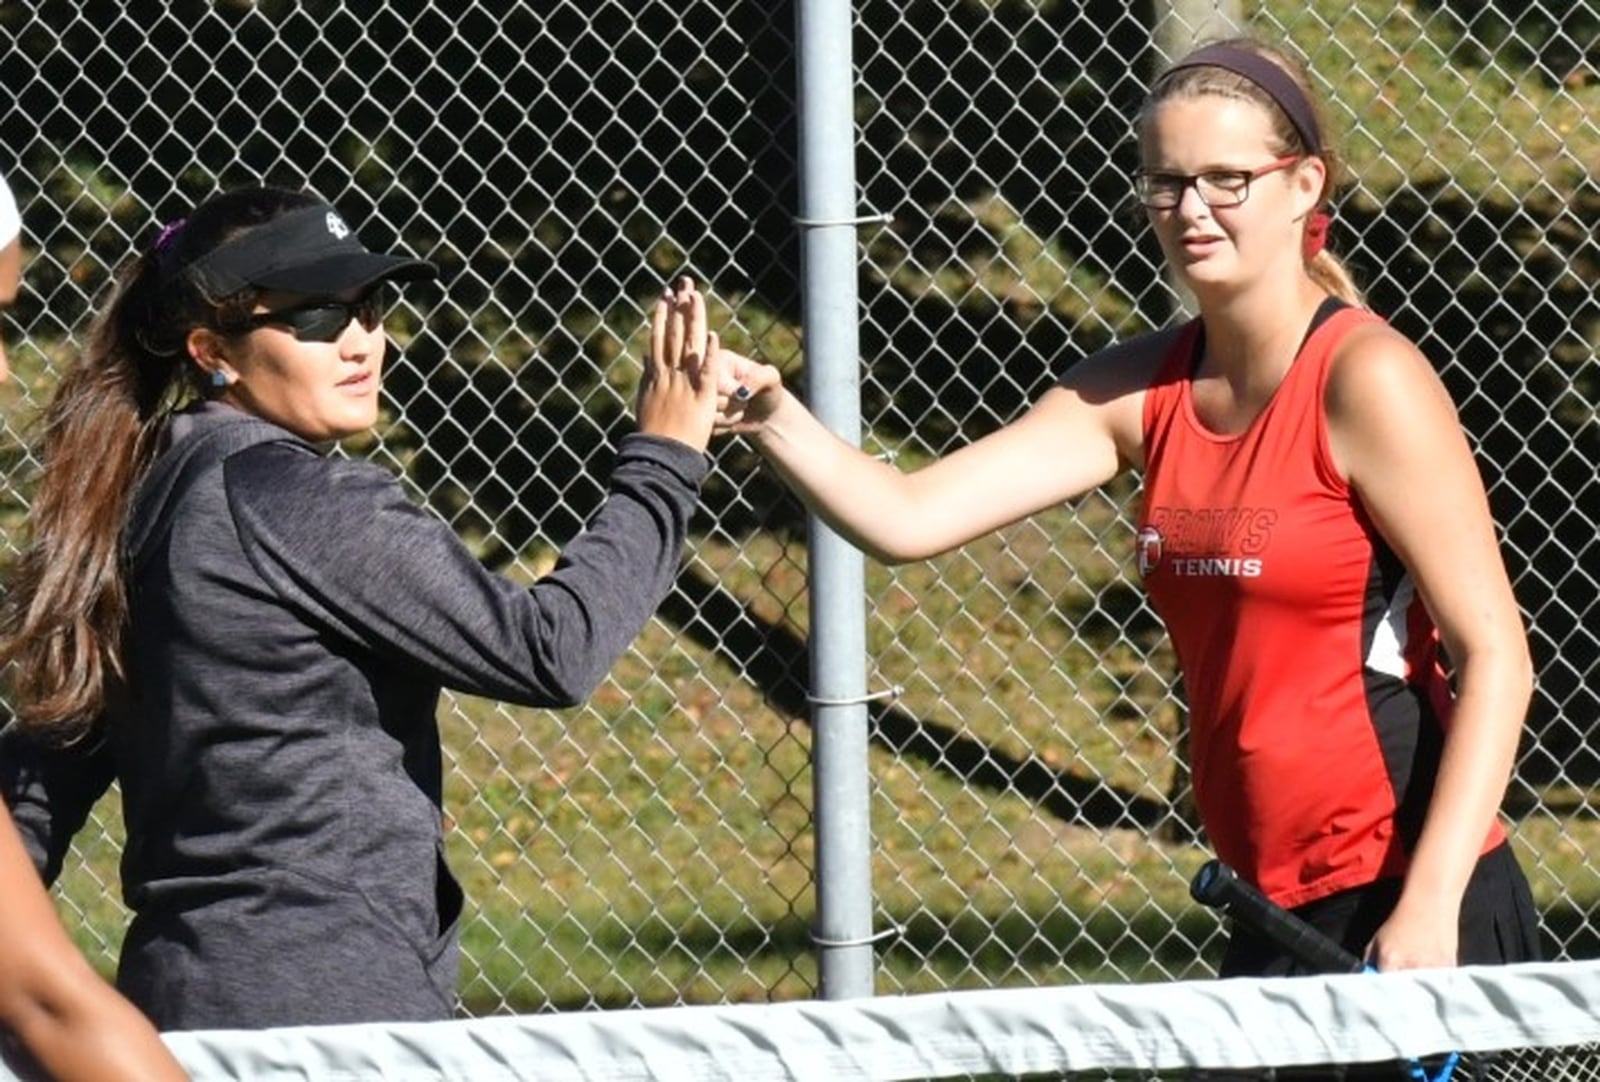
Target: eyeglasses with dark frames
[
  {"x": 1215, "y": 187},
  {"x": 326, "y": 320}
]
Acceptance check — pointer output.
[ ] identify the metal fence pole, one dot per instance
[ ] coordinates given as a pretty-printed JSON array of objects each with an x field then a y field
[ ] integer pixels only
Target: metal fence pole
[
  {"x": 1180, "y": 25},
  {"x": 843, "y": 924},
  {"x": 651, "y": 847}
]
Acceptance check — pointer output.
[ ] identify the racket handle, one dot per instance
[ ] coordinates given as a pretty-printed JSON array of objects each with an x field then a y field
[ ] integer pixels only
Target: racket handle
[{"x": 1216, "y": 885}]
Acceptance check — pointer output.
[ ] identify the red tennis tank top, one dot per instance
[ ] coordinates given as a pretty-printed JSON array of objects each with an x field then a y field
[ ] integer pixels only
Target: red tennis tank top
[{"x": 1317, "y": 705}]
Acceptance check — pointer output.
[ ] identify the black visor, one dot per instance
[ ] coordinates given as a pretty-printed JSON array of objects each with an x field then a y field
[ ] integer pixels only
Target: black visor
[{"x": 310, "y": 251}]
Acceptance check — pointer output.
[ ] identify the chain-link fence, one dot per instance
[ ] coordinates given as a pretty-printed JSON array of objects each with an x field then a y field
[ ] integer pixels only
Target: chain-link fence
[{"x": 560, "y": 159}]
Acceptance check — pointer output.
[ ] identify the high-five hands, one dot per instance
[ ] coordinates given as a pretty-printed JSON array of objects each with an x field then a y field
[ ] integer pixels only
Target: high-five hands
[
  {"x": 747, "y": 390},
  {"x": 678, "y": 393}
]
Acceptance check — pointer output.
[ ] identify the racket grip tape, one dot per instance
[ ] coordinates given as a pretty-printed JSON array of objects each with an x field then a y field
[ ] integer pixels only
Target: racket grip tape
[{"x": 1218, "y": 886}]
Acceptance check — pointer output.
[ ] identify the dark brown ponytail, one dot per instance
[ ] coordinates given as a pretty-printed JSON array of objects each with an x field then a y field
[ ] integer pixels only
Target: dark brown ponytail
[{"x": 65, "y": 609}]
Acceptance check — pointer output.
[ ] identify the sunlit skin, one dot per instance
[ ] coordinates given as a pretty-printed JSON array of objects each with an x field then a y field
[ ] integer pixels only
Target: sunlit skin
[
  {"x": 1392, "y": 434},
  {"x": 1222, "y": 252},
  {"x": 320, "y": 391},
  {"x": 324, "y": 391},
  {"x": 1243, "y": 263},
  {"x": 74, "y": 1026},
  {"x": 10, "y": 280}
]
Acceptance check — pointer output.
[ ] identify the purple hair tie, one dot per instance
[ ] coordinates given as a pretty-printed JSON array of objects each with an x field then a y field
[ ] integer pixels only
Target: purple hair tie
[{"x": 167, "y": 232}]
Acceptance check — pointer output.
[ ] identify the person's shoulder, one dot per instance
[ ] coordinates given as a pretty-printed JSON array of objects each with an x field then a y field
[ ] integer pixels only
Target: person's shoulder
[
  {"x": 282, "y": 479},
  {"x": 1130, "y": 364},
  {"x": 1372, "y": 358},
  {"x": 293, "y": 499},
  {"x": 1382, "y": 392},
  {"x": 1104, "y": 395}
]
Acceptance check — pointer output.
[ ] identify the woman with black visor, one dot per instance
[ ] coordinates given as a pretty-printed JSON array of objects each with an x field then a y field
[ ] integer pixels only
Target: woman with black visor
[{"x": 251, "y": 635}]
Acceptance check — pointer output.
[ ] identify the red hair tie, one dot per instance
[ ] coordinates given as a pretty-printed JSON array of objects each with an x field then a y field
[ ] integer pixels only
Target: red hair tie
[{"x": 1316, "y": 237}]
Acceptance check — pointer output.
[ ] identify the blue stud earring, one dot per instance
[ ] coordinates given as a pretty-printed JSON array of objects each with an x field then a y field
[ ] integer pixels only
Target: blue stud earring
[{"x": 219, "y": 379}]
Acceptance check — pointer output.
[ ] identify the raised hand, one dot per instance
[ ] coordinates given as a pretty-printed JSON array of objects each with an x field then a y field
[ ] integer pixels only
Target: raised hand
[
  {"x": 748, "y": 392},
  {"x": 678, "y": 394}
]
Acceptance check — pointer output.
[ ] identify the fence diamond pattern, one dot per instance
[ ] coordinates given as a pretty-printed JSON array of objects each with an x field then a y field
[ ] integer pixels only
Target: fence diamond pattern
[{"x": 559, "y": 160}]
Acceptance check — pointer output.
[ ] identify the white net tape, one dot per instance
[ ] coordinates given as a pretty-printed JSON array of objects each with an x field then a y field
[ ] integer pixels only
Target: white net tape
[{"x": 1240, "y": 1023}]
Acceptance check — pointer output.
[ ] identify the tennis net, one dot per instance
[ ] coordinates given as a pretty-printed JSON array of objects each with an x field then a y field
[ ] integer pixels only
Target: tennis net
[{"x": 1527, "y": 1023}]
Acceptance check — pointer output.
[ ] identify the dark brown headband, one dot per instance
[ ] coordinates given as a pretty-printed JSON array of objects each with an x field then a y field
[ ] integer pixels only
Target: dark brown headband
[{"x": 1278, "y": 84}]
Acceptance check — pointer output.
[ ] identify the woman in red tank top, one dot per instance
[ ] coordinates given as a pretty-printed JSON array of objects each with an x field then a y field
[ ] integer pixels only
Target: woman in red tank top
[{"x": 1315, "y": 529}]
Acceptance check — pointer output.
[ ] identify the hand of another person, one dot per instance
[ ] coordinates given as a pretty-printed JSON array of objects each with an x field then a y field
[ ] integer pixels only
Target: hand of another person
[
  {"x": 749, "y": 392},
  {"x": 678, "y": 394}
]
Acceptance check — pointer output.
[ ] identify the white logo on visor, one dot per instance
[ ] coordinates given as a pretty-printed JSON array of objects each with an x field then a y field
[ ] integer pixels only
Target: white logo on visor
[{"x": 336, "y": 225}]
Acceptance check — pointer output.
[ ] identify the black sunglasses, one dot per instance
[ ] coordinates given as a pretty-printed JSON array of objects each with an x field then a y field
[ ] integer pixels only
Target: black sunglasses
[{"x": 326, "y": 320}]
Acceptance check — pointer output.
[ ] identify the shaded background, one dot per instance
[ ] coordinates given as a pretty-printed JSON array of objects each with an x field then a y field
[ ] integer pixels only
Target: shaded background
[{"x": 561, "y": 160}]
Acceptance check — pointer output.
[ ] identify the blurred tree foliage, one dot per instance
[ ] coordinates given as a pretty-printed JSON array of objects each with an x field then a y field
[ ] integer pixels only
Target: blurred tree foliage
[{"x": 561, "y": 160}]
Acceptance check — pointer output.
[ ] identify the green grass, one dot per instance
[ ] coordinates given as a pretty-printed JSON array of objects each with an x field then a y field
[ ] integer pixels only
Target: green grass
[
  {"x": 1419, "y": 96},
  {"x": 657, "y": 845}
]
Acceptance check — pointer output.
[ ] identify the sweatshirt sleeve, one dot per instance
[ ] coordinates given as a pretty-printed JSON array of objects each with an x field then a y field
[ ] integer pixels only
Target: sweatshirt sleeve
[
  {"x": 51, "y": 791},
  {"x": 340, "y": 543}
]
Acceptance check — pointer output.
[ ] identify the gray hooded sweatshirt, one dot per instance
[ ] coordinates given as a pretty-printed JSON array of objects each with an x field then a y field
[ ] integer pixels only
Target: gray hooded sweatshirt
[{"x": 293, "y": 619}]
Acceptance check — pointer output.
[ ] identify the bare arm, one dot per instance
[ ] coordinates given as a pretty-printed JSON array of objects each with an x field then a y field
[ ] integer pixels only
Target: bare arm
[
  {"x": 10, "y": 282},
  {"x": 1056, "y": 451},
  {"x": 1079, "y": 435},
  {"x": 71, "y": 1022},
  {"x": 10, "y": 271},
  {"x": 1395, "y": 433}
]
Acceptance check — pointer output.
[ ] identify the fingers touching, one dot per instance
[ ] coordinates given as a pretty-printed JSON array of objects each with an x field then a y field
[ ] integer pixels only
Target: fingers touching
[
  {"x": 678, "y": 394},
  {"x": 688, "y": 364},
  {"x": 658, "y": 359},
  {"x": 679, "y": 329},
  {"x": 696, "y": 326}
]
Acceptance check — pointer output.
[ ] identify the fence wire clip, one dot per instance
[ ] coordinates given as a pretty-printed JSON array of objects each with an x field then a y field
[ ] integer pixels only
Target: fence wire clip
[
  {"x": 864, "y": 941},
  {"x": 888, "y": 693},
  {"x": 865, "y": 219}
]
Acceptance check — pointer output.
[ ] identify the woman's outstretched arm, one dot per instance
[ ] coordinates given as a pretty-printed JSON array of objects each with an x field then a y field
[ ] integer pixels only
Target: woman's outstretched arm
[{"x": 1080, "y": 434}]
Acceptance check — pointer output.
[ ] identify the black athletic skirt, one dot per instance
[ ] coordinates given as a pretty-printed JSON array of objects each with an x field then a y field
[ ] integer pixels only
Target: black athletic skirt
[
  {"x": 1498, "y": 921},
  {"x": 1498, "y": 925}
]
